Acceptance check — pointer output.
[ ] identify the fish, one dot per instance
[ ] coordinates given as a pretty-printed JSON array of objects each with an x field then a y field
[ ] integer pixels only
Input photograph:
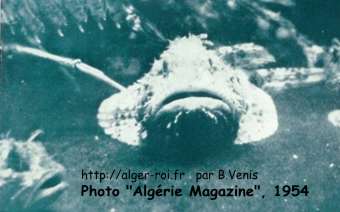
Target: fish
[
  {"x": 30, "y": 179},
  {"x": 193, "y": 89}
]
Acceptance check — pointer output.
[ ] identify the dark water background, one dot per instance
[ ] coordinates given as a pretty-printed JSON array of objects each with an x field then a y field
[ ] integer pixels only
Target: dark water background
[{"x": 39, "y": 94}]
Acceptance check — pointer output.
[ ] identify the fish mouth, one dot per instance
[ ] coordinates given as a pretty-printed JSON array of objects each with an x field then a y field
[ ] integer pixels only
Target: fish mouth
[
  {"x": 179, "y": 113},
  {"x": 192, "y": 100},
  {"x": 200, "y": 121},
  {"x": 188, "y": 94},
  {"x": 47, "y": 190}
]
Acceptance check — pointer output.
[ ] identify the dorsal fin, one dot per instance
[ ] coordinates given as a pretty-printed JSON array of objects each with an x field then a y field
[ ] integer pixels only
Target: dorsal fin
[{"x": 34, "y": 135}]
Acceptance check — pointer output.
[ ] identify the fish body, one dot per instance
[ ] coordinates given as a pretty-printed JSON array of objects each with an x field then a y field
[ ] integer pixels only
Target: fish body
[{"x": 29, "y": 178}]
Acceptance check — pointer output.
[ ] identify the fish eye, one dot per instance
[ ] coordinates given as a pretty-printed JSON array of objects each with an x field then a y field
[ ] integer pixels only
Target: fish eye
[
  {"x": 16, "y": 162},
  {"x": 257, "y": 80}
]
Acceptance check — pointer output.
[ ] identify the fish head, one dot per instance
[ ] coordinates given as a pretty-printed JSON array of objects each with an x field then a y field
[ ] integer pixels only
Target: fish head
[
  {"x": 192, "y": 95},
  {"x": 29, "y": 178}
]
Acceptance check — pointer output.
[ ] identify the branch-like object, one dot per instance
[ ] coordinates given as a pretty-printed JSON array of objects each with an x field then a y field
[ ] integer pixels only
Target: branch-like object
[{"x": 76, "y": 64}]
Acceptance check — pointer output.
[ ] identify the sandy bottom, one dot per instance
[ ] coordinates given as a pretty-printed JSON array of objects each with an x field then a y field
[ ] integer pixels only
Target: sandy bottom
[{"x": 305, "y": 150}]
